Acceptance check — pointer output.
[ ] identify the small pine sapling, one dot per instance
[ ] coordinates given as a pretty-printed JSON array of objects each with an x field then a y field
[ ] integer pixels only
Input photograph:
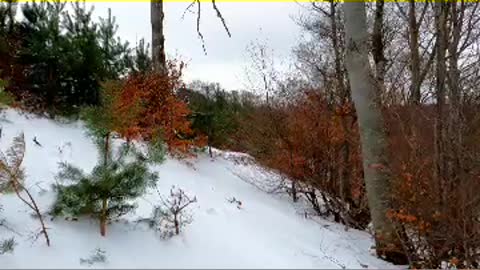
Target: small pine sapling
[
  {"x": 12, "y": 177},
  {"x": 171, "y": 215},
  {"x": 105, "y": 192},
  {"x": 7, "y": 246},
  {"x": 97, "y": 256}
]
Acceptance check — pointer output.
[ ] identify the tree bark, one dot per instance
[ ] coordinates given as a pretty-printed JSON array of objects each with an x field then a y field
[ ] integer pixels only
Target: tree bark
[
  {"x": 343, "y": 169},
  {"x": 413, "y": 31},
  {"x": 455, "y": 122},
  {"x": 103, "y": 218},
  {"x": 372, "y": 134},
  {"x": 177, "y": 224},
  {"x": 378, "y": 47},
  {"x": 158, "y": 38},
  {"x": 106, "y": 154},
  {"x": 441, "y": 73}
]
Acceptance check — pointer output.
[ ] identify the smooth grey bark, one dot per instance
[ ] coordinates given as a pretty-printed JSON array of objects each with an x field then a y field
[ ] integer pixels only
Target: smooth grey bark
[
  {"x": 158, "y": 38},
  {"x": 372, "y": 133}
]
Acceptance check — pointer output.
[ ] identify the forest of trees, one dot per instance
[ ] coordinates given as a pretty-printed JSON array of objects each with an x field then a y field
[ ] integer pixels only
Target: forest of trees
[
  {"x": 376, "y": 125},
  {"x": 55, "y": 60}
]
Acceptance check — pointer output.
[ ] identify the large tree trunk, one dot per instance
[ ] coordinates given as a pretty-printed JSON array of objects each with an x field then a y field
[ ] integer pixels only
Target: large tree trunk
[
  {"x": 372, "y": 134},
  {"x": 440, "y": 74},
  {"x": 158, "y": 39},
  {"x": 415, "y": 94},
  {"x": 455, "y": 121}
]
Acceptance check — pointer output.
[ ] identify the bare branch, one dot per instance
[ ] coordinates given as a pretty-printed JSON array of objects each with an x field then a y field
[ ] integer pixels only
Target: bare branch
[
  {"x": 199, "y": 14},
  {"x": 220, "y": 16}
]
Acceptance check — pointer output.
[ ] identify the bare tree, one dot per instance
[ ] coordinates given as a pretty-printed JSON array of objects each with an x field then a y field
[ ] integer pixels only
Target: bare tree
[
  {"x": 372, "y": 134},
  {"x": 419, "y": 62},
  {"x": 171, "y": 215},
  {"x": 324, "y": 57},
  {"x": 158, "y": 38}
]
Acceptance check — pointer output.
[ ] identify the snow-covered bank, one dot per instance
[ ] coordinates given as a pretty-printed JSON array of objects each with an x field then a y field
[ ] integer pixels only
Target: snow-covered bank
[{"x": 266, "y": 232}]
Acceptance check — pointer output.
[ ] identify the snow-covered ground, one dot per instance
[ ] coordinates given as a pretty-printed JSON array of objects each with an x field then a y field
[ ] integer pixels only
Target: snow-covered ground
[{"x": 266, "y": 232}]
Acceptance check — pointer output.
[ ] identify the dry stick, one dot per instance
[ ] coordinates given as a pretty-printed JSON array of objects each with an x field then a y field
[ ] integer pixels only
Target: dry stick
[
  {"x": 33, "y": 205},
  {"x": 18, "y": 151},
  {"x": 219, "y": 15},
  {"x": 7, "y": 227},
  {"x": 188, "y": 9},
  {"x": 200, "y": 35}
]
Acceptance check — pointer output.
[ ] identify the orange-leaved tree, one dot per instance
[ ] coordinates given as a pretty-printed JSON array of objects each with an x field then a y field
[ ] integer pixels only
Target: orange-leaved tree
[{"x": 149, "y": 109}]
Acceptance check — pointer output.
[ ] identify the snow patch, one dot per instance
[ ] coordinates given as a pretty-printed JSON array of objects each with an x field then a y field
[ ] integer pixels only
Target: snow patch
[{"x": 264, "y": 232}]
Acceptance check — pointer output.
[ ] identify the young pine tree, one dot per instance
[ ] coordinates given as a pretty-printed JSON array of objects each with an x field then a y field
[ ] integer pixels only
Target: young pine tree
[
  {"x": 120, "y": 176},
  {"x": 106, "y": 192},
  {"x": 116, "y": 54},
  {"x": 142, "y": 62}
]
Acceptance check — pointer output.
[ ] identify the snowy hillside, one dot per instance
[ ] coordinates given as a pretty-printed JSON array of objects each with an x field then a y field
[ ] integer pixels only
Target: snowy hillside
[{"x": 267, "y": 231}]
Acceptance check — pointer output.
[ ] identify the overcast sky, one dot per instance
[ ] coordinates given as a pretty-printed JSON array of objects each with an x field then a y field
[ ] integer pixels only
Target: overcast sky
[{"x": 226, "y": 57}]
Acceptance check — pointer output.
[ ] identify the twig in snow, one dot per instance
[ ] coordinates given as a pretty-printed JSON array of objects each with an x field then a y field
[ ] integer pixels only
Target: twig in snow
[
  {"x": 238, "y": 202},
  {"x": 3, "y": 223},
  {"x": 36, "y": 141}
]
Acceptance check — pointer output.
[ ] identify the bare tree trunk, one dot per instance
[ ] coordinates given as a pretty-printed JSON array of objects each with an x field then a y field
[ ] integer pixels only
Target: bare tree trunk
[
  {"x": 413, "y": 31},
  {"x": 339, "y": 74},
  {"x": 455, "y": 121},
  {"x": 17, "y": 186},
  {"x": 176, "y": 224},
  {"x": 158, "y": 38},
  {"x": 441, "y": 73},
  {"x": 294, "y": 186},
  {"x": 343, "y": 169},
  {"x": 372, "y": 134},
  {"x": 377, "y": 47},
  {"x": 419, "y": 64},
  {"x": 103, "y": 218}
]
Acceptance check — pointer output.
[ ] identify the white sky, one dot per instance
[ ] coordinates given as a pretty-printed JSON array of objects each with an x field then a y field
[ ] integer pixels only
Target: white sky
[{"x": 226, "y": 57}]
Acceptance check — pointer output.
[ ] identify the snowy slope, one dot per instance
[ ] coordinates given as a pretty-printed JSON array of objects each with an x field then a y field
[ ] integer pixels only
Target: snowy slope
[{"x": 267, "y": 232}]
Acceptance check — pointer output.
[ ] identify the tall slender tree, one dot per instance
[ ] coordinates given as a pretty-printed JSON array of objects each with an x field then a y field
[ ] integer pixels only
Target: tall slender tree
[
  {"x": 372, "y": 134},
  {"x": 158, "y": 38}
]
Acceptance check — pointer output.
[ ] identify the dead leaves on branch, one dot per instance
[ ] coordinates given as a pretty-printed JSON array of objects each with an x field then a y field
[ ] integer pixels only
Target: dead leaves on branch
[{"x": 148, "y": 108}]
